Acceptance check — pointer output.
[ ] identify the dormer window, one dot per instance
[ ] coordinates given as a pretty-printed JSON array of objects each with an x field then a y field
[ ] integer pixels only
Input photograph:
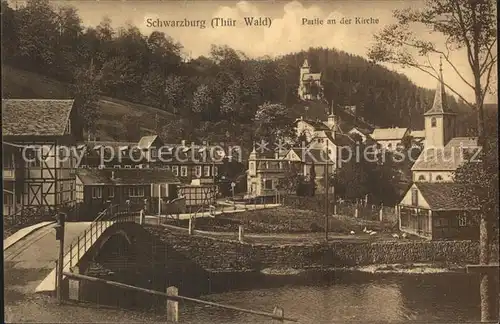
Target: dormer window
[{"x": 433, "y": 122}]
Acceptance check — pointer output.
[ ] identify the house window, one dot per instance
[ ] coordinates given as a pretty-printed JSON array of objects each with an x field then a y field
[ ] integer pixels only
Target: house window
[
  {"x": 433, "y": 122},
  {"x": 175, "y": 170},
  {"x": 421, "y": 178},
  {"x": 206, "y": 171},
  {"x": 154, "y": 153},
  {"x": 439, "y": 178},
  {"x": 414, "y": 197},
  {"x": 136, "y": 192},
  {"x": 184, "y": 171},
  {"x": 462, "y": 220},
  {"x": 268, "y": 184},
  {"x": 198, "y": 170},
  {"x": 128, "y": 167},
  {"x": 33, "y": 157},
  {"x": 389, "y": 146},
  {"x": 167, "y": 167},
  {"x": 96, "y": 192},
  {"x": 111, "y": 192},
  {"x": 116, "y": 166},
  {"x": 216, "y": 171}
]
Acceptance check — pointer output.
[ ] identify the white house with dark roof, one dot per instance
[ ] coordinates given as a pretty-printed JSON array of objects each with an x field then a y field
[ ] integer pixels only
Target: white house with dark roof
[
  {"x": 390, "y": 138},
  {"x": 39, "y": 137}
]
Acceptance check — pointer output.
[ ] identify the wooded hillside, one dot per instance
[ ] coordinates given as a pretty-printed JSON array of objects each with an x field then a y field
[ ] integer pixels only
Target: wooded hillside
[{"x": 212, "y": 98}]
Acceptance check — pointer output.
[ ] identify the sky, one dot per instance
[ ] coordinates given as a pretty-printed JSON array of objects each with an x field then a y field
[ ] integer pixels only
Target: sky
[{"x": 286, "y": 33}]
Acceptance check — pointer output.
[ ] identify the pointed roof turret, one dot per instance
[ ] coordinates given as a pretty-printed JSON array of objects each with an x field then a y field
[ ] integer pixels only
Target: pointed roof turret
[
  {"x": 440, "y": 104},
  {"x": 306, "y": 64}
]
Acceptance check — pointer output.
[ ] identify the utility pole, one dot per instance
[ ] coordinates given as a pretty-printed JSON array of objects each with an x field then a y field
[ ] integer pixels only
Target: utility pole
[
  {"x": 60, "y": 218},
  {"x": 327, "y": 191}
]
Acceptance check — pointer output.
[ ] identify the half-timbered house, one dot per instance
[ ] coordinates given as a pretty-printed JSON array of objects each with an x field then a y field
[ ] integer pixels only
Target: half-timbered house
[{"x": 39, "y": 137}]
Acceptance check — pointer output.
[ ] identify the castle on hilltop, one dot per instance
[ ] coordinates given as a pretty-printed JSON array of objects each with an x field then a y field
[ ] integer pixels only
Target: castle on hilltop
[{"x": 310, "y": 87}]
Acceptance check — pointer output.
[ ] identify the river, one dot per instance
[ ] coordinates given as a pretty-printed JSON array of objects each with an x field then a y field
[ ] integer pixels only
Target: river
[
  {"x": 351, "y": 296},
  {"x": 321, "y": 297}
]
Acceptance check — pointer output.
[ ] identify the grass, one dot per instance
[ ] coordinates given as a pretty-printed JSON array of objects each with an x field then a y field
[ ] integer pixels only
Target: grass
[
  {"x": 285, "y": 220},
  {"x": 21, "y": 84}
]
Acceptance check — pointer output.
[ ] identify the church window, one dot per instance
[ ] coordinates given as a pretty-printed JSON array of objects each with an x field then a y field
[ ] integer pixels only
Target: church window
[
  {"x": 439, "y": 178},
  {"x": 433, "y": 122},
  {"x": 421, "y": 178}
]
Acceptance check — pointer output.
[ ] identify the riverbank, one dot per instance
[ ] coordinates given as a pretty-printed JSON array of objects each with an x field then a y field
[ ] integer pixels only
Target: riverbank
[{"x": 220, "y": 254}]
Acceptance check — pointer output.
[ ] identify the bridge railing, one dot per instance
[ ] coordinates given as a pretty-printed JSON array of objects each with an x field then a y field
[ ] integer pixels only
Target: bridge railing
[{"x": 91, "y": 234}]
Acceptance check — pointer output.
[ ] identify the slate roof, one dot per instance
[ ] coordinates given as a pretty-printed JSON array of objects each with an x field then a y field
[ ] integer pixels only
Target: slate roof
[
  {"x": 146, "y": 141},
  {"x": 311, "y": 76},
  {"x": 186, "y": 154},
  {"x": 316, "y": 124},
  {"x": 35, "y": 117},
  {"x": 443, "y": 195},
  {"x": 340, "y": 139},
  {"x": 448, "y": 158},
  {"x": 417, "y": 134},
  {"x": 396, "y": 133},
  {"x": 316, "y": 156},
  {"x": 125, "y": 176},
  {"x": 440, "y": 104}
]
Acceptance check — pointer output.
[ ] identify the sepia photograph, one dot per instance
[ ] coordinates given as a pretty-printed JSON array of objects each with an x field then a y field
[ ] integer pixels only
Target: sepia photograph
[{"x": 244, "y": 162}]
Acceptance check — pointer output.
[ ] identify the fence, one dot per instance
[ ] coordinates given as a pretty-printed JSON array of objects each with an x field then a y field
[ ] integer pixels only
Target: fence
[
  {"x": 173, "y": 298},
  {"x": 78, "y": 247},
  {"x": 359, "y": 209}
]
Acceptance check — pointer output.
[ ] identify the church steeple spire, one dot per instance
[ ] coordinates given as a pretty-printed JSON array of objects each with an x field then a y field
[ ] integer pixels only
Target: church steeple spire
[{"x": 440, "y": 104}]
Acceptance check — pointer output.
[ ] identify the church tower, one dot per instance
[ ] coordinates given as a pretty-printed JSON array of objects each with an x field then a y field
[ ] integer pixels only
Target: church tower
[
  {"x": 440, "y": 119},
  {"x": 304, "y": 70}
]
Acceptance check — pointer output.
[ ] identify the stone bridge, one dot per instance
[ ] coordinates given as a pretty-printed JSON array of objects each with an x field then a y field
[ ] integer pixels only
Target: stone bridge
[{"x": 117, "y": 245}]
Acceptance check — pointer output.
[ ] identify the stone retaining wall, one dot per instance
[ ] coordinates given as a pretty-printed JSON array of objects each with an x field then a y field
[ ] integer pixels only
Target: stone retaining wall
[{"x": 224, "y": 255}]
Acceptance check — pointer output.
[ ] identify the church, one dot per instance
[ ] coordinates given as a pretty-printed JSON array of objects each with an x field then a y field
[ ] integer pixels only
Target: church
[{"x": 430, "y": 208}]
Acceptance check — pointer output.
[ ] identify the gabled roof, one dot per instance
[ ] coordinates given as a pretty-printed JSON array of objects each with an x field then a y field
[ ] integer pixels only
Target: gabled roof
[
  {"x": 448, "y": 158},
  {"x": 340, "y": 139},
  {"x": 125, "y": 176},
  {"x": 443, "y": 195},
  {"x": 417, "y": 134},
  {"x": 396, "y": 133},
  {"x": 363, "y": 131},
  {"x": 311, "y": 76},
  {"x": 35, "y": 117},
  {"x": 312, "y": 156},
  {"x": 146, "y": 141},
  {"x": 316, "y": 124}
]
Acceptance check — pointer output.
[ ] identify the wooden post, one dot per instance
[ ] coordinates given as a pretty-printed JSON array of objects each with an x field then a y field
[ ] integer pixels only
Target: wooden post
[
  {"x": 356, "y": 212},
  {"x": 172, "y": 305},
  {"x": 489, "y": 301},
  {"x": 240, "y": 233},
  {"x": 141, "y": 217},
  {"x": 381, "y": 214},
  {"x": 335, "y": 209},
  {"x": 279, "y": 313},
  {"x": 191, "y": 225}
]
